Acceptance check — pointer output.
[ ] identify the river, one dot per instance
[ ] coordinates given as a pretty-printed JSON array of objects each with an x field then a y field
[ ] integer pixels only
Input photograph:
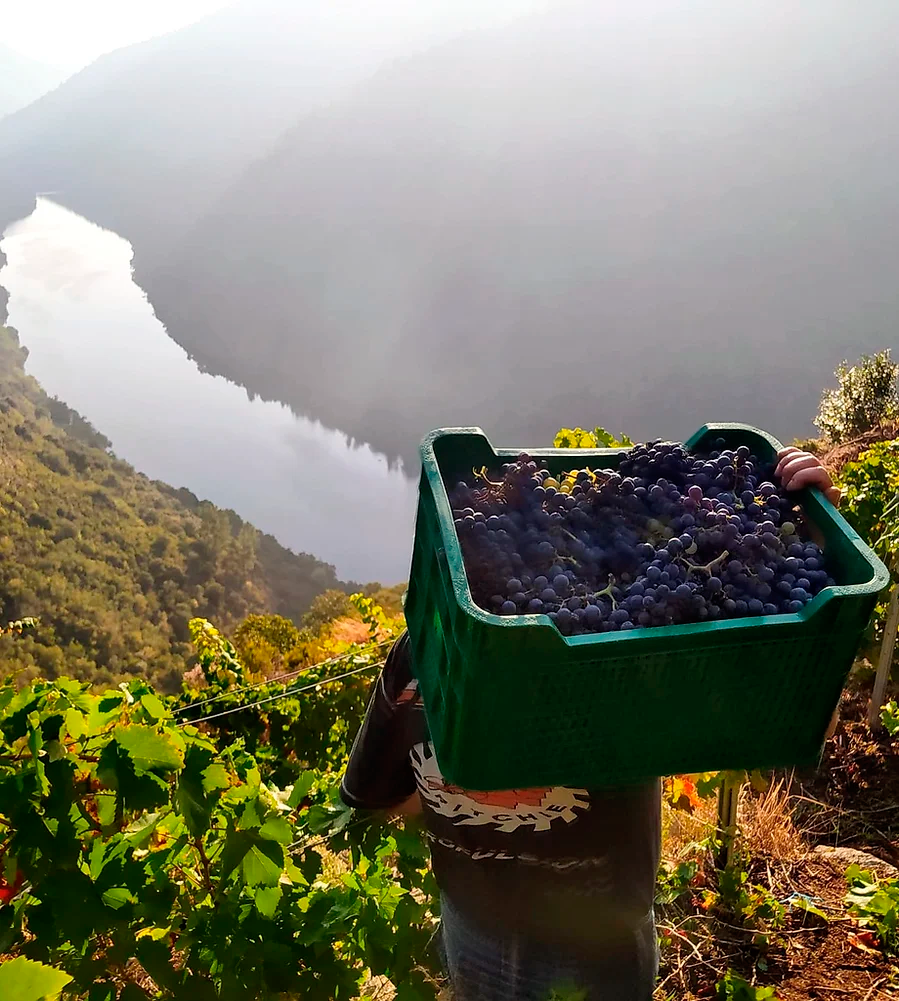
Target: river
[{"x": 95, "y": 343}]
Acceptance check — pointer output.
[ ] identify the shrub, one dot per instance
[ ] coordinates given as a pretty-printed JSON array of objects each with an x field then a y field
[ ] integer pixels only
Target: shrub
[{"x": 865, "y": 397}]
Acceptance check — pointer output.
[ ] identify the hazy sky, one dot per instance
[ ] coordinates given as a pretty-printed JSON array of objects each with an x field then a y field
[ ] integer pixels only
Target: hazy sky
[{"x": 72, "y": 33}]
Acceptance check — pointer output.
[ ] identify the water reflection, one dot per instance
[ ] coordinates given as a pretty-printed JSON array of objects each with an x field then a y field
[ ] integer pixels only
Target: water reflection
[{"x": 95, "y": 343}]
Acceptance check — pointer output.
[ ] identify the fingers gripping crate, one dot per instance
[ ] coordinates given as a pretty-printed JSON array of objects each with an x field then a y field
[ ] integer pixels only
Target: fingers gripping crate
[{"x": 512, "y": 703}]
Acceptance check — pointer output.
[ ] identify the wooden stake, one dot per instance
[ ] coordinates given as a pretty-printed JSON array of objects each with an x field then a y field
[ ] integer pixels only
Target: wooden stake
[
  {"x": 728, "y": 800},
  {"x": 890, "y": 629}
]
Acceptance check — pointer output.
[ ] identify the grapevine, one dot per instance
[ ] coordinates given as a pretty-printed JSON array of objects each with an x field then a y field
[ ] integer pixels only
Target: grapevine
[{"x": 145, "y": 856}]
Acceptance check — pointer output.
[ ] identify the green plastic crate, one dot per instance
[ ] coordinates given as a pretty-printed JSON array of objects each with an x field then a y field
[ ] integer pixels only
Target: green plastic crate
[{"x": 512, "y": 703}]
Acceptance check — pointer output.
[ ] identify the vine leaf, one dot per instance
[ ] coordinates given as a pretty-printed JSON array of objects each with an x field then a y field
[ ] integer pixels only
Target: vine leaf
[
  {"x": 198, "y": 779},
  {"x": 261, "y": 862},
  {"x": 267, "y": 899},
  {"x": 149, "y": 749},
  {"x": 36, "y": 745},
  {"x": 301, "y": 789},
  {"x": 139, "y": 832},
  {"x": 215, "y": 777},
  {"x": 118, "y": 896},
  {"x": 276, "y": 829},
  {"x": 22, "y": 979},
  {"x": 154, "y": 707}
]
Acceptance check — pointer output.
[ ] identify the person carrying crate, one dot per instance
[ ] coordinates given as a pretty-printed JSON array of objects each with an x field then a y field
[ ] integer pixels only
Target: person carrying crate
[{"x": 542, "y": 890}]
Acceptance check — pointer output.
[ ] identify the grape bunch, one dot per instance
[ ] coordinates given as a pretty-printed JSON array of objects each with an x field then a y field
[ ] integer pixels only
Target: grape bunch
[{"x": 667, "y": 537}]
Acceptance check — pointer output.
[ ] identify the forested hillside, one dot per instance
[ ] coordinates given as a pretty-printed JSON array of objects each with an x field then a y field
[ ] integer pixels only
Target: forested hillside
[{"x": 112, "y": 563}]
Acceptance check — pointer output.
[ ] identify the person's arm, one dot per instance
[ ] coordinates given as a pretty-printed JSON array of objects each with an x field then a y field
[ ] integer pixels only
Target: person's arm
[
  {"x": 798, "y": 469},
  {"x": 379, "y": 773}
]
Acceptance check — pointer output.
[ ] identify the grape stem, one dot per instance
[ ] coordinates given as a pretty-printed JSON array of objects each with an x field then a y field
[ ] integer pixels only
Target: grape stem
[
  {"x": 708, "y": 568},
  {"x": 607, "y": 591},
  {"x": 481, "y": 474}
]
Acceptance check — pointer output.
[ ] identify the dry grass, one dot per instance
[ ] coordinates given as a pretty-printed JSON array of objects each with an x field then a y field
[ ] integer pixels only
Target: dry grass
[
  {"x": 834, "y": 457},
  {"x": 681, "y": 831},
  {"x": 767, "y": 825}
]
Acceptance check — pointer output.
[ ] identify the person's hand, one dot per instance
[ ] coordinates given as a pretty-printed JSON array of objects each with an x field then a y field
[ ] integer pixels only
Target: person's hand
[{"x": 797, "y": 469}]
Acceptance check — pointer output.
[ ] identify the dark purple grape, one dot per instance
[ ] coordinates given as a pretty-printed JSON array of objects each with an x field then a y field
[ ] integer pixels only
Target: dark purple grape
[{"x": 596, "y": 543}]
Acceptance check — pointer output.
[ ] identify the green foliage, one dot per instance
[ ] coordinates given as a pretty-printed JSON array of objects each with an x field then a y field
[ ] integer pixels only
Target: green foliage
[
  {"x": 567, "y": 993},
  {"x": 735, "y": 988},
  {"x": 133, "y": 845},
  {"x": 875, "y": 905},
  {"x": 113, "y": 564},
  {"x": 871, "y": 498},
  {"x": 752, "y": 905},
  {"x": 329, "y": 605},
  {"x": 22, "y": 979},
  {"x": 266, "y": 643},
  {"x": 289, "y": 733},
  {"x": 675, "y": 881},
  {"x": 866, "y": 396},
  {"x": 389, "y": 598},
  {"x": 871, "y": 505},
  {"x": 216, "y": 656},
  {"x": 597, "y": 438},
  {"x": 889, "y": 717}
]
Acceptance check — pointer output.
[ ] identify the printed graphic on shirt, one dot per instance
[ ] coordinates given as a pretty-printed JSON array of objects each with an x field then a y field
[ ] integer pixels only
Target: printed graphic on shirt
[
  {"x": 506, "y": 811},
  {"x": 409, "y": 693}
]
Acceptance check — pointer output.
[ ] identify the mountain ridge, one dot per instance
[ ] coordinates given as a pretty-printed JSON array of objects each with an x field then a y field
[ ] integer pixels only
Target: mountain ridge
[
  {"x": 147, "y": 136},
  {"x": 636, "y": 205},
  {"x": 23, "y": 79}
]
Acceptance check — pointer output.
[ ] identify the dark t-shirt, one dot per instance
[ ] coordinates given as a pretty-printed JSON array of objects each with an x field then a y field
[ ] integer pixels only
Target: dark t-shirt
[{"x": 573, "y": 867}]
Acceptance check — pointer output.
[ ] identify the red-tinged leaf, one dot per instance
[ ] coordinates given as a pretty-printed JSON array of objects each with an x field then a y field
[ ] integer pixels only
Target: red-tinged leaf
[
  {"x": 864, "y": 941},
  {"x": 681, "y": 793}
]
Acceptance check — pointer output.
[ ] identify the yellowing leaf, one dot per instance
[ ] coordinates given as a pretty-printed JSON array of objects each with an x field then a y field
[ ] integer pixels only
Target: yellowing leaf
[
  {"x": 24, "y": 980},
  {"x": 75, "y": 724},
  {"x": 154, "y": 934},
  {"x": 681, "y": 793},
  {"x": 215, "y": 777},
  {"x": 154, "y": 707}
]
